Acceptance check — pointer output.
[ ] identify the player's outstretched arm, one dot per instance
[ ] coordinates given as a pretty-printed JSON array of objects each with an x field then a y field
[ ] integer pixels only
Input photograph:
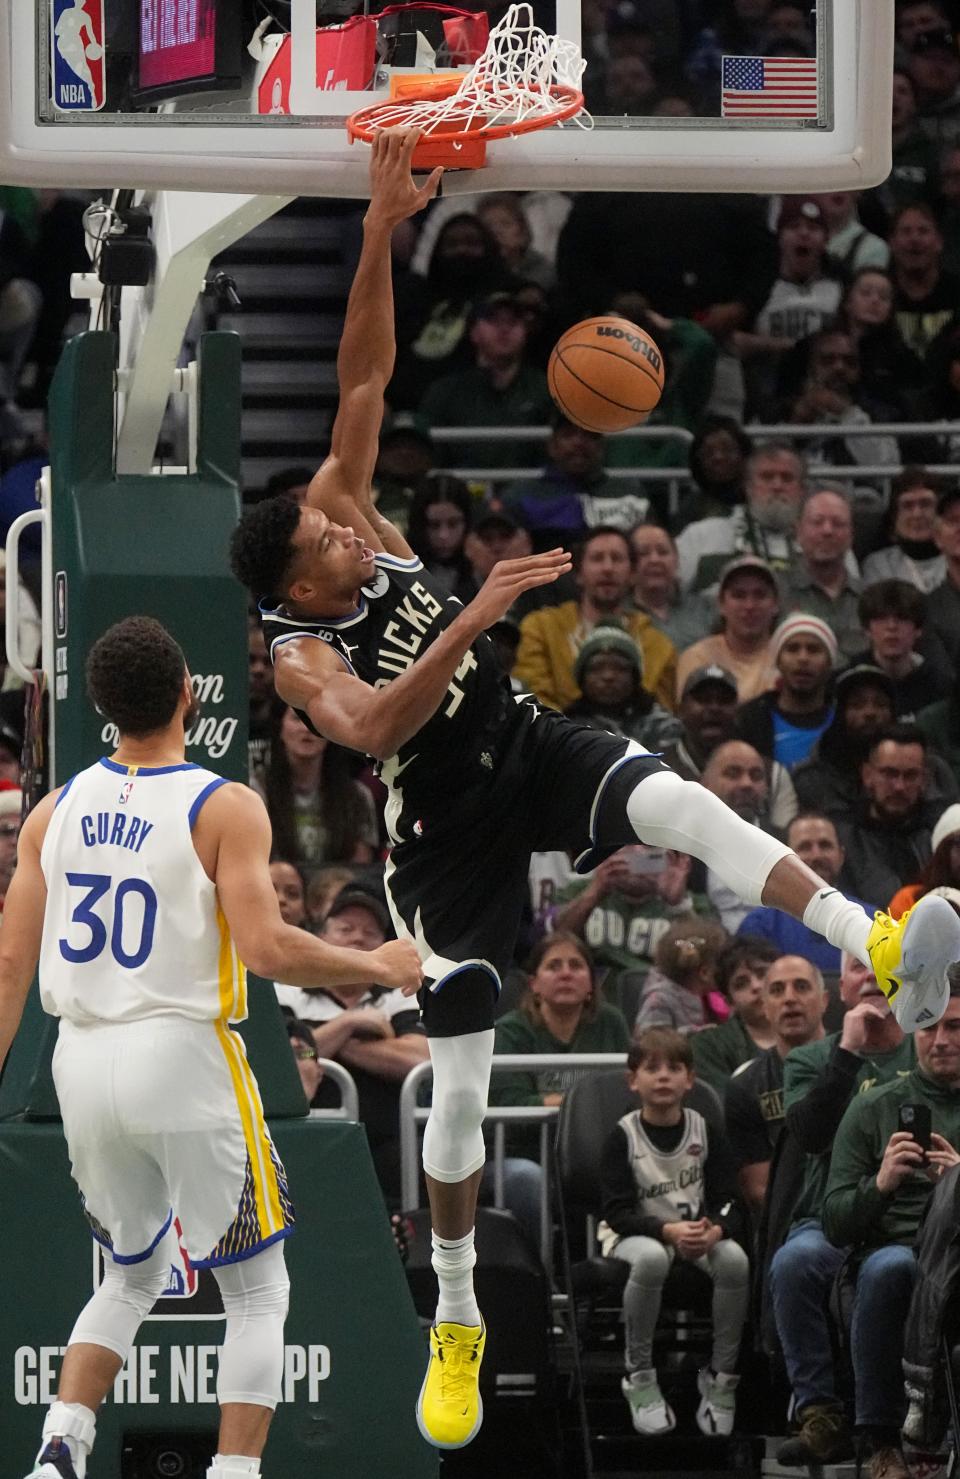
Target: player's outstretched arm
[
  {"x": 368, "y": 347},
  {"x": 267, "y": 946},
  {"x": 378, "y": 721},
  {"x": 22, "y": 927}
]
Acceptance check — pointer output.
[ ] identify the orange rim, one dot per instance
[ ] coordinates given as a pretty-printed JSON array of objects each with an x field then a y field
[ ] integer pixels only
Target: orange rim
[{"x": 567, "y": 102}]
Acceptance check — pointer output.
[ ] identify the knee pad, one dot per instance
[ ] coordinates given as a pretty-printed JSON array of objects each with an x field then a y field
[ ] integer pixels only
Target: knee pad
[
  {"x": 256, "y": 1296},
  {"x": 125, "y": 1298},
  {"x": 453, "y": 1140}
]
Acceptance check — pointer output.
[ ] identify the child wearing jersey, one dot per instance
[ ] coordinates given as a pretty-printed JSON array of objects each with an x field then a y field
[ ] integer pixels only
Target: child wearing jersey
[{"x": 668, "y": 1192}]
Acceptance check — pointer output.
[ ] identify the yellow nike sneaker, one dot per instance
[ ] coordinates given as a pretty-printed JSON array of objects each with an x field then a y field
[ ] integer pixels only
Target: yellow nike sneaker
[
  {"x": 910, "y": 957},
  {"x": 450, "y": 1408}
]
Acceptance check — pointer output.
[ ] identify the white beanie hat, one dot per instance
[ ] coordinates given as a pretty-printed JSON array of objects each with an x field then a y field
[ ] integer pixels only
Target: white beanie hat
[
  {"x": 11, "y": 801},
  {"x": 800, "y": 623},
  {"x": 947, "y": 822}
]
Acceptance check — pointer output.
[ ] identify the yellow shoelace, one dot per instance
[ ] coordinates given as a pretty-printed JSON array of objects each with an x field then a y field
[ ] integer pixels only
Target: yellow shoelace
[{"x": 454, "y": 1378}]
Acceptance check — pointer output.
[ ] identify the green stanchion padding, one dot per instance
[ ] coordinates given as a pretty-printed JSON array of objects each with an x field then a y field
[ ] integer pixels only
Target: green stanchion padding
[
  {"x": 156, "y": 546},
  {"x": 354, "y": 1355}
]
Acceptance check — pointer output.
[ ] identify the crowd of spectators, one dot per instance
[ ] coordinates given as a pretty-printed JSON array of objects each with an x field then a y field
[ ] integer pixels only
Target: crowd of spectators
[
  {"x": 774, "y": 612},
  {"x": 777, "y": 612}
]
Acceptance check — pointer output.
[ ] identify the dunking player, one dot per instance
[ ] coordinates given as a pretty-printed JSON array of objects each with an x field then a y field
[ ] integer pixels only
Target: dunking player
[
  {"x": 374, "y": 655},
  {"x": 142, "y": 884}
]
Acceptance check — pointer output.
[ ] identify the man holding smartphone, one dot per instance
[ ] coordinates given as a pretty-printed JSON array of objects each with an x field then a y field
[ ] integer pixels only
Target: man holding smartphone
[{"x": 880, "y": 1180}]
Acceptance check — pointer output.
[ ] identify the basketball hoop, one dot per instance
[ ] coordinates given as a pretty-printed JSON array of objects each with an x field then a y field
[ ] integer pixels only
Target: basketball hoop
[{"x": 524, "y": 80}]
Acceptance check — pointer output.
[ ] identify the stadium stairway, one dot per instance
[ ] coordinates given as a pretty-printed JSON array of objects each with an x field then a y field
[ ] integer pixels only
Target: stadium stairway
[{"x": 292, "y": 275}]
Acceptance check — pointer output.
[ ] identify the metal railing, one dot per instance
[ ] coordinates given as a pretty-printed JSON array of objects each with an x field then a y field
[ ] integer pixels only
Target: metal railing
[
  {"x": 678, "y": 476},
  {"x": 499, "y": 1115},
  {"x": 349, "y": 1106}
]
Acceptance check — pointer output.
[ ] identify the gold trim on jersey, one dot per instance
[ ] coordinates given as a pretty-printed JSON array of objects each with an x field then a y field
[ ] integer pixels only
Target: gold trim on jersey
[{"x": 232, "y": 995}]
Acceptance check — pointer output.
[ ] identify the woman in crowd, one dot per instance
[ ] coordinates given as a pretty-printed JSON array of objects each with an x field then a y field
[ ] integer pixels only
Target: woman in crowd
[
  {"x": 908, "y": 549},
  {"x": 561, "y": 1011},
  {"x": 891, "y": 376},
  {"x": 440, "y": 517},
  {"x": 718, "y": 460},
  {"x": 681, "y": 990},
  {"x": 320, "y": 813},
  {"x": 656, "y": 588},
  {"x": 288, "y": 886},
  {"x": 942, "y": 873}
]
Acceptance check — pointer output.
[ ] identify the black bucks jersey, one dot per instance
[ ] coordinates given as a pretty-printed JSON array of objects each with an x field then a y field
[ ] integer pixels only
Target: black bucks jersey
[{"x": 400, "y": 613}]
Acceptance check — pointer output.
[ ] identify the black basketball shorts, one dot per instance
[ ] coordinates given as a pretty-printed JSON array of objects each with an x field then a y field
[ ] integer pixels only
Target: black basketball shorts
[{"x": 458, "y": 889}]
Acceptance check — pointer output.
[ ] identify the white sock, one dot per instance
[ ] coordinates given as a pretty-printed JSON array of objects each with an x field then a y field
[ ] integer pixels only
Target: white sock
[
  {"x": 840, "y": 921},
  {"x": 232, "y": 1466},
  {"x": 76, "y": 1425},
  {"x": 453, "y": 1260}
]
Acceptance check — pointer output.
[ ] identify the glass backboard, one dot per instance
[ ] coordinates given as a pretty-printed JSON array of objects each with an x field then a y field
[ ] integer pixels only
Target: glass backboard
[{"x": 252, "y": 95}]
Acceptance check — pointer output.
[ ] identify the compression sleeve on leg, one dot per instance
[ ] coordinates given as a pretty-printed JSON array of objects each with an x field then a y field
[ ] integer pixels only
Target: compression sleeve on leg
[
  {"x": 453, "y": 1139},
  {"x": 666, "y": 811},
  {"x": 255, "y": 1294}
]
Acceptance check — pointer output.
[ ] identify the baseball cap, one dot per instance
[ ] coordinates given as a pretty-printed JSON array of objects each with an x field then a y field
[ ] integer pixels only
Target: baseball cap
[
  {"x": 946, "y": 824},
  {"x": 865, "y": 673},
  {"x": 751, "y": 563},
  {"x": 497, "y": 519},
  {"x": 800, "y": 623},
  {"x": 800, "y": 208},
  {"x": 605, "y": 639},
  {"x": 711, "y": 673},
  {"x": 359, "y": 898},
  {"x": 406, "y": 428},
  {"x": 495, "y": 303}
]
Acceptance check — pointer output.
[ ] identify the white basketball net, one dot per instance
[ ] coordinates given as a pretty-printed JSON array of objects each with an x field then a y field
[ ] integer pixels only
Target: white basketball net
[{"x": 510, "y": 82}]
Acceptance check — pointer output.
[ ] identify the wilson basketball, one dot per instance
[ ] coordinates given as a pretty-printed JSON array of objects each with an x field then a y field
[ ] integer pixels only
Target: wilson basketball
[{"x": 605, "y": 374}]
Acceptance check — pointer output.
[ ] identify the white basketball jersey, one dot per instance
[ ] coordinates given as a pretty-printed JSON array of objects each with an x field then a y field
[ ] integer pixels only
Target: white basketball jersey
[
  {"x": 669, "y": 1183},
  {"x": 133, "y": 927}
]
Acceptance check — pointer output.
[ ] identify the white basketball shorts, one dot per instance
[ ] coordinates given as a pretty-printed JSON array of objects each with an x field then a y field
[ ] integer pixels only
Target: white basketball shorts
[{"x": 163, "y": 1119}]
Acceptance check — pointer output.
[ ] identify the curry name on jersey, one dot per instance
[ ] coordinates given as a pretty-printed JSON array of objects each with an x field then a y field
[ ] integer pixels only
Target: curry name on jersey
[{"x": 400, "y": 614}]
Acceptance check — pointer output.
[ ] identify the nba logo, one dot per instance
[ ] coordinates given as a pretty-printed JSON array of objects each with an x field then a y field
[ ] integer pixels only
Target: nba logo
[
  {"x": 182, "y": 1281},
  {"x": 126, "y": 791},
  {"x": 79, "y": 75}
]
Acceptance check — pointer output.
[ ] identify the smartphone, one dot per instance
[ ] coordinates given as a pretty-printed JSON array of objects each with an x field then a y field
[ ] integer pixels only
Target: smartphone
[
  {"x": 915, "y": 1119},
  {"x": 647, "y": 862}
]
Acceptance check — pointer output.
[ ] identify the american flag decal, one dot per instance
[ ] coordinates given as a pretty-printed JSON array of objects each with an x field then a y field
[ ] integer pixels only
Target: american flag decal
[{"x": 769, "y": 87}]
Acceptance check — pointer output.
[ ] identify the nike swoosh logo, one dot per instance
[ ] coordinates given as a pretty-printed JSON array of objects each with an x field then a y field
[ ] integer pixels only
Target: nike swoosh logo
[{"x": 827, "y": 893}]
